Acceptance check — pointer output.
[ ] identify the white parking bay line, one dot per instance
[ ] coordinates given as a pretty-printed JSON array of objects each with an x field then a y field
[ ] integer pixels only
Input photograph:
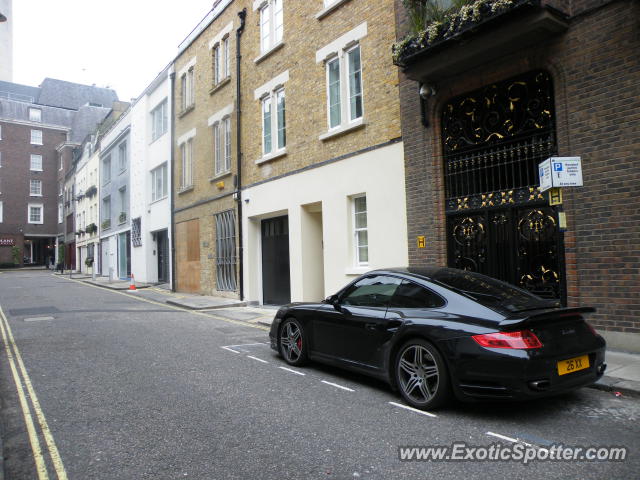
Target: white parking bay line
[
  {"x": 257, "y": 359},
  {"x": 338, "y": 386},
  {"x": 511, "y": 439},
  {"x": 292, "y": 371},
  {"x": 230, "y": 349},
  {"x": 406, "y": 407}
]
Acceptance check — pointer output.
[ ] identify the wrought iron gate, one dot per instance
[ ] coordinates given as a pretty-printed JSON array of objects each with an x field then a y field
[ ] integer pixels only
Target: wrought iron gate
[{"x": 498, "y": 222}]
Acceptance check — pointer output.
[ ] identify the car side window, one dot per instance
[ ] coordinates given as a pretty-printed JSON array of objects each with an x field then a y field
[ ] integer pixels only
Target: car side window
[
  {"x": 371, "y": 292},
  {"x": 412, "y": 295}
]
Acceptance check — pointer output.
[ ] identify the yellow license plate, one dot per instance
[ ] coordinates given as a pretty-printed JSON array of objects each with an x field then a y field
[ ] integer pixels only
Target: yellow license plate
[{"x": 573, "y": 364}]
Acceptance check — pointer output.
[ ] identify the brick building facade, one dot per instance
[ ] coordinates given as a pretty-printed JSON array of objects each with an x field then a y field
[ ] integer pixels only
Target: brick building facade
[{"x": 587, "y": 52}]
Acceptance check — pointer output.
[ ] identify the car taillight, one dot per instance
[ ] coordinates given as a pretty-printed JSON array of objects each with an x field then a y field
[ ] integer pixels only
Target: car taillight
[
  {"x": 521, "y": 339},
  {"x": 593, "y": 330}
]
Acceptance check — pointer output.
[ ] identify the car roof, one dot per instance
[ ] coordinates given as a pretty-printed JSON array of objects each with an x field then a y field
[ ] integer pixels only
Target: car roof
[{"x": 427, "y": 272}]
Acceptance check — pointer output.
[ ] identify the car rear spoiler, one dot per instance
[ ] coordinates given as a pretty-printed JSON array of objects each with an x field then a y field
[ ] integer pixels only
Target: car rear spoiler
[{"x": 521, "y": 319}]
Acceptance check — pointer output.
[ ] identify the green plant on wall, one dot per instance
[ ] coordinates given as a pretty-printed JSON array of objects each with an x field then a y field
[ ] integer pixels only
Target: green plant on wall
[
  {"x": 16, "y": 252},
  {"x": 422, "y": 13}
]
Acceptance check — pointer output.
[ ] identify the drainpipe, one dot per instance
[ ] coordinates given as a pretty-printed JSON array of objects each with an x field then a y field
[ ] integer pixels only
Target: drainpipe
[
  {"x": 172, "y": 77},
  {"x": 242, "y": 15}
]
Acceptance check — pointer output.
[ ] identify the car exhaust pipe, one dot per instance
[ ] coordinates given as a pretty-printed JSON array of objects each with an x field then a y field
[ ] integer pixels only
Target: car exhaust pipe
[{"x": 539, "y": 385}]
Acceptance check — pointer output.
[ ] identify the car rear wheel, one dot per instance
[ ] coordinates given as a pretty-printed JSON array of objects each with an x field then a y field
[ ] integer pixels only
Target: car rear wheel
[
  {"x": 421, "y": 375},
  {"x": 293, "y": 345}
]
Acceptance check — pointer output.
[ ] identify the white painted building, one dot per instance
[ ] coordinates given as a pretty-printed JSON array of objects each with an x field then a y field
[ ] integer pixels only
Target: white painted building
[
  {"x": 150, "y": 189},
  {"x": 87, "y": 212},
  {"x": 344, "y": 218},
  {"x": 6, "y": 41}
]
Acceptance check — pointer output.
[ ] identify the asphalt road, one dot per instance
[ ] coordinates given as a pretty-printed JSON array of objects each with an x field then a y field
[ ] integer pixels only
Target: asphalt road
[{"x": 122, "y": 388}]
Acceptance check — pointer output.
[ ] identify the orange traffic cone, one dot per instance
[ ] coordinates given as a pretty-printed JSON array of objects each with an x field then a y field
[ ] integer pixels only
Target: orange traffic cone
[{"x": 132, "y": 283}]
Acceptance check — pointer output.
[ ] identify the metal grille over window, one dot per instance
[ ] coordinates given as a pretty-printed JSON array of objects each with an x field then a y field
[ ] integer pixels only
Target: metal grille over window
[
  {"x": 136, "y": 236},
  {"x": 498, "y": 222},
  {"x": 226, "y": 258}
]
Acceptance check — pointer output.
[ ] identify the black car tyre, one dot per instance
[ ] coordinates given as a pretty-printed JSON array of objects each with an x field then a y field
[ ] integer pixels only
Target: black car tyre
[
  {"x": 292, "y": 342},
  {"x": 421, "y": 375}
]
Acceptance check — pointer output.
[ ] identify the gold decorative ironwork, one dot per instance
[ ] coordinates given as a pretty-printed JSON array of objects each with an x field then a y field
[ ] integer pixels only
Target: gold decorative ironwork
[
  {"x": 487, "y": 200},
  {"x": 535, "y": 194},
  {"x": 463, "y": 203}
]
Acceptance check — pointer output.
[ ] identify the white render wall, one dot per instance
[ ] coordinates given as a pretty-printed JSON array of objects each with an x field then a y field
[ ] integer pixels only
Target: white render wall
[
  {"x": 87, "y": 174},
  {"x": 6, "y": 41},
  {"x": 318, "y": 203},
  {"x": 145, "y": 156}
]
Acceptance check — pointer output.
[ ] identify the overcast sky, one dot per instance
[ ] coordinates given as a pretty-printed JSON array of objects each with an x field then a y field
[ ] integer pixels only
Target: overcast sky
[{"x": 122, "y": 44}]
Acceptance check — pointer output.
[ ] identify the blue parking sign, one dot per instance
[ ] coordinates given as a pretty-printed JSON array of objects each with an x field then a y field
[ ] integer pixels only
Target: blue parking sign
[{"x": 557, "y": 167}]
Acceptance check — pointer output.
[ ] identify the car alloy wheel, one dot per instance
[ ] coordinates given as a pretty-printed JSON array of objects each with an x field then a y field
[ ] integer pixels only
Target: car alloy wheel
[
  {"x": 421, "y": 375},
  {"x": 293, "y": 347}
]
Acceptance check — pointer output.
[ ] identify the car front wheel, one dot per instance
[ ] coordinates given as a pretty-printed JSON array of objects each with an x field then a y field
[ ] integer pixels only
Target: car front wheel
[
  {"x": 293, "y": 345},
  {"x": 421, "y": 375}
]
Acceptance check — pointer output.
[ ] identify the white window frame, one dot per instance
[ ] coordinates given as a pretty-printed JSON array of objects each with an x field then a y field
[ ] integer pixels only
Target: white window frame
[
  {"x": 35, "y": 115},
  {"x": 268, "y": 95},
  {"x": 340, "y": 51},
  {"x": 39, "y": 206},
  {"x": 160, "y": 172},
  {"x": 106, "y": 172},
  {"x": 37, "y": 192},
  {"x": 35, "y": 156},
  {"x": 123, "y": 158},
  {"x": 0, "y": 211},
  {"x": 106, "y": 209},
  {"x": 187, "y": 88},
  {"x": 345, "y": 83},
  {"x": 36, "y": 137},
  {"x": 271, "y": 24},
  {"x": 222, "y": 146},
  {"x": 225, "y": 57},
  {"x": 60, "y": 213},
  {"x": 159, "y": 120},
  {"x": 357, "y": 230},
  {"x": 186, "y": 161},
  {"x": 0, "y": 159}
]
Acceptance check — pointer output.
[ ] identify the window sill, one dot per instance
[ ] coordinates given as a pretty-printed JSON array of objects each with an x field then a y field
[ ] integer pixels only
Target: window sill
[
  {"x": 273, "y": 49},
  {"x": 35, "y": 195},
  {"x": 187, "y": 110},
  {"x": 153, "y": 202},
  {"x": 356, "y": 270},
  {"x": 37, "y": 144},
  {"x": 217, "y": 177},
  {"x": 36, "y": 170},
  {"x": 330, "y": 8},
  {"x": 342, "y": 129},
  {"x": 185, "y": 190},
  {"x": 220, "y": 85},
  {"x": 272, "y": 156}
]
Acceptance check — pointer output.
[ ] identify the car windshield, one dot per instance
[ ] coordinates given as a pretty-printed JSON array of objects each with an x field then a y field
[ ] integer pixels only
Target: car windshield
[{"x": 490, "y": 292}]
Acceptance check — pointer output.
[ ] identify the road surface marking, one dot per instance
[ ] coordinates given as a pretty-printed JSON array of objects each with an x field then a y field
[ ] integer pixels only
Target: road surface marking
[
  {"x": 230, "y": 349},
  {"x": 166, "y": 305},
  {"x": 258, "y": 359},
  {"x": 406, "y": 407},
  {"x": 38, "y": 319},
  {"x": 292, "y": 371},
  {"x": 44, "y": 426},
  {"x": 247, "y": 344},
  {"x": 26, "y": 412},
  {"x": 513, "y": 440},
  {"x": 338, "y": 386}
]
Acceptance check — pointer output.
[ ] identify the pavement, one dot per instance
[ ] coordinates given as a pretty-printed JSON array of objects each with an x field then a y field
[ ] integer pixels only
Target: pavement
[{"x": 622, "y": 374}]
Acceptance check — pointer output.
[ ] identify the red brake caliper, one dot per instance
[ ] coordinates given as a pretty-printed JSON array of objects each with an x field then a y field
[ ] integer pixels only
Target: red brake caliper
[{"x": 299, "y": 343}]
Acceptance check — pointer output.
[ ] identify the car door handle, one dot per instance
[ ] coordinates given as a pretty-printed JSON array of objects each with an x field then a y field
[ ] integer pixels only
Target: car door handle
[
  {"x": 393, "y": 324},
  {"x": 371, "y": 326}
]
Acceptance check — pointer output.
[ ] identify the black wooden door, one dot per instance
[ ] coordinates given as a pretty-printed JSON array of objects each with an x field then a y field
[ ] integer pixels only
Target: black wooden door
[
  {"x": 276, "y": 286},
  {"x": 163, "y": 256}
]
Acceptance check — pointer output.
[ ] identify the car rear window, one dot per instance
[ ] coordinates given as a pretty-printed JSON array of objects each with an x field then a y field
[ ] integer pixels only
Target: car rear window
[{"x": 491, "y": 292}]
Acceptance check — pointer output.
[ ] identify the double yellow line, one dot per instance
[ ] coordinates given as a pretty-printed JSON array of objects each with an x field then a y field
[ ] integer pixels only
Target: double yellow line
[{"x": 24, "y": 383}]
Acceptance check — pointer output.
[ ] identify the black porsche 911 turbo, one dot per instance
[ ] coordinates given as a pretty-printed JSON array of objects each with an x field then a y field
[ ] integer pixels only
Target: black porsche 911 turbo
[{"x": 433, "y": 332}]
